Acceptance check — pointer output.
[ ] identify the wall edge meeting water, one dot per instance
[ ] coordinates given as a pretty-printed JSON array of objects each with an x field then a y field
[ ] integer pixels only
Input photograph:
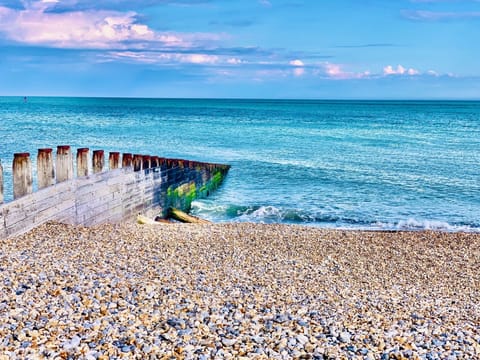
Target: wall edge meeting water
[{"x": 144, "y": 183}]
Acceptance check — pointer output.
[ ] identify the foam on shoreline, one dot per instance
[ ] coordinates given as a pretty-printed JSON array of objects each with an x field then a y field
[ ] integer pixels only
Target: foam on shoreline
[{"x": 269, "y": 214}]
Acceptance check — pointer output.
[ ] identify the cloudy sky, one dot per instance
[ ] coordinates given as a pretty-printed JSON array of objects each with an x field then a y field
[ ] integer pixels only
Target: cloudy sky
[{"x": 327, "y": 49}]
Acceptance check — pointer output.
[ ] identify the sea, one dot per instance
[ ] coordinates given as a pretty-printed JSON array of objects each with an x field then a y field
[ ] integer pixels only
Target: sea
[{"x": 371, "y": 165}]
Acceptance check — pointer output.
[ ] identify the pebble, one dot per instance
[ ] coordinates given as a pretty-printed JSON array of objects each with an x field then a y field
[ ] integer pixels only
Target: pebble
[
  {"x": 302, "y": 339},
  {"x": 238, "y": 291},
  {"x": 258, "y": 339},
  {"x": 228, "y": 342},
  {"x": 345, "y": 337}
]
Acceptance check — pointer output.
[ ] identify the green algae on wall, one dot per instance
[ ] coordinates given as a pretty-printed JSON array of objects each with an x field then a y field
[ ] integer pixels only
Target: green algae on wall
[
  {"x": 215, "y": 181},
  {"x": 183, "y": 195}
]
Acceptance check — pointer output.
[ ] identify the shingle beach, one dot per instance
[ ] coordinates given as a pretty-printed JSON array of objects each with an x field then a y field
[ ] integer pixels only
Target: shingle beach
[{"x": 251, "y": 291}]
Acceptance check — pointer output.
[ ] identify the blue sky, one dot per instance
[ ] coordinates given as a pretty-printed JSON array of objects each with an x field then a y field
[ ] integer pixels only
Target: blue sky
[{"x": 360, "y": 49}]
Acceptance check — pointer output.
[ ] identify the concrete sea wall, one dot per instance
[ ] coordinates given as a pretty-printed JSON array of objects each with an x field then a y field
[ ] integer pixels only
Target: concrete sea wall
[{"x": 132, "y": 184}]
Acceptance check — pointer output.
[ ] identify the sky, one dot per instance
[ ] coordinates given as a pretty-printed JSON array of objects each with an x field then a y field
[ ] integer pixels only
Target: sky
[{"x": 311, "y": 49}]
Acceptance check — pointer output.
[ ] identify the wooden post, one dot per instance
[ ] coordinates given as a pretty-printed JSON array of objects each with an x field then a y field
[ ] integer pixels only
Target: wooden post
[
  {"x": 147, "y": 162},
  {"x": 162, "y": 162},
  {"x": 155, "y": 161},
  {"x": 1, "y": 182},
  {"x": 137, "y": 162},
  {"x": 127, "y": 159},
  {"x": 64, "y": 163},
  {"x": 22, "y": 175},
  {"x": 82, "y": 162},
  {"x": 170, "y": 163},
  {"x": 98, "y": 161},
  {"x": 114, "y": 160},
  {"x": 45, "y": 171}
]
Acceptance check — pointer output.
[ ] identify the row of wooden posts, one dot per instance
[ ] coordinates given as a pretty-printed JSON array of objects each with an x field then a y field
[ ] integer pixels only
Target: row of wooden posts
[{"x": 47, "y": 175}]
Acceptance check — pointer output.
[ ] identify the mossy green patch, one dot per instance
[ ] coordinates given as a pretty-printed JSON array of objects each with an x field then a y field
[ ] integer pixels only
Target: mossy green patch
[
  {"x": 217, "y": 178},
  {"x": 182, "y": 196}
]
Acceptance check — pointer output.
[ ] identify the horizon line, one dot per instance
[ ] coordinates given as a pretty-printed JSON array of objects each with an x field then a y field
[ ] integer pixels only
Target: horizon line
[{"x": 238, "y": 98}]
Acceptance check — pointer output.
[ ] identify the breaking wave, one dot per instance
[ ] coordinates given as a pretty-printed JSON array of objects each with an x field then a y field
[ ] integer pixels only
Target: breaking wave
[{"x": 271, "y": 214}]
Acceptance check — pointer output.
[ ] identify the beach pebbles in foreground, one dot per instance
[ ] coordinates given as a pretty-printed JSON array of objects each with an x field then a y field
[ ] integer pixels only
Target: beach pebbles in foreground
[{"x": 238, "y": 291}]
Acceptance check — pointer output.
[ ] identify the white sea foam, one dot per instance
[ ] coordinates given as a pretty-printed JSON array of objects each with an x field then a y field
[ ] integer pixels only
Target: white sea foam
[
  {"x": 264, "y": 212},
  {"x": 249, "y": 213},
  {"x": 425, "y": 224},
  {"x": 208, "y": 210},
  {"x": 270, "y": 214}
]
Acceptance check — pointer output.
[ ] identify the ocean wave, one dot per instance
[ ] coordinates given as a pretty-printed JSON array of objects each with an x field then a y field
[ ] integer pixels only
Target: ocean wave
[
  {"x": 425, "y": 224},
  {"x": 271, "y": 214},
  {"x": 252, "y": 213}
]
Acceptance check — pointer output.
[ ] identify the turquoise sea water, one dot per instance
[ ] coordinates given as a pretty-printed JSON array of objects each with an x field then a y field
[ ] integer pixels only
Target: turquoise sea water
[{"x": 341, "y": 164}]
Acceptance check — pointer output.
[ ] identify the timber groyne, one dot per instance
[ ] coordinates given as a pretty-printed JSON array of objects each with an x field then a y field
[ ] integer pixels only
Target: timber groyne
[{"x": 89, "y": 192}]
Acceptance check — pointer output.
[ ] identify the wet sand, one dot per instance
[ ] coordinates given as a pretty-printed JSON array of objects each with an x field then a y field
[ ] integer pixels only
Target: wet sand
[{"x": 238, "y": 291}]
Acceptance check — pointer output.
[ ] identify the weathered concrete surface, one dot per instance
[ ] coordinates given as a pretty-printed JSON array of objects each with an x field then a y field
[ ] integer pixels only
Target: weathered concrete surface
[{"x": 113, "y": 196}]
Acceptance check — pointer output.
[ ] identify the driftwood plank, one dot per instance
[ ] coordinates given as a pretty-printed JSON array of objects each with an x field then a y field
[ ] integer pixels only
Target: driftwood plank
[{"x": 184, "y": 217}]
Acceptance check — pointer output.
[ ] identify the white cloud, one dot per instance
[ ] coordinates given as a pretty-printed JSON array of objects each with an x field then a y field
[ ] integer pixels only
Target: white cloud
[
  {"x": 234, "y": 61},
  {"x": 298, "y": 71},
  {"x": 97, "y": 29},
  {"x": 198, "y": 58},
  {"x": 388, "y": 70},
  {"x": 164, "y": 58},
  {"x": 297, "y": 62},
  {"x": 335, "y": 71},
  {"x": 400, "y": 70}
]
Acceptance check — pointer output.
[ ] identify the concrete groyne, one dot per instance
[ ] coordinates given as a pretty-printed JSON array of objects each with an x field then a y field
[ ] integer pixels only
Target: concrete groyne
[{"x": 95, "y": 194}]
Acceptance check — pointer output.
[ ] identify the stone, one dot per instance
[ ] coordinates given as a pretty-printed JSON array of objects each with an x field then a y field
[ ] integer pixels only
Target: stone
[
  {"x": 345, "y": 336},
  {"x": 228, "y": 342},
  {"x": 238, "y": 291}
]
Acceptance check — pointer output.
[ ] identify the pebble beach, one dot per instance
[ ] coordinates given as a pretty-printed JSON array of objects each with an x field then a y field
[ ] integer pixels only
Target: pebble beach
[{"x": 238, "y": 291}]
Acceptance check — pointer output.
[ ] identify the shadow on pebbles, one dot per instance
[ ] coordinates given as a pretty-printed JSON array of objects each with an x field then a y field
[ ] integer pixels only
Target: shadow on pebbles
[{"x": 250, "y": 291}]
